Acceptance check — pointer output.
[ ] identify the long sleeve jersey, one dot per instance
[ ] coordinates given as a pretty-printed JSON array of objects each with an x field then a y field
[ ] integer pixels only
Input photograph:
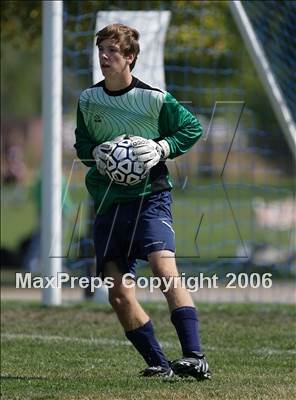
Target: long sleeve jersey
[{"x": 139, "y": 110}]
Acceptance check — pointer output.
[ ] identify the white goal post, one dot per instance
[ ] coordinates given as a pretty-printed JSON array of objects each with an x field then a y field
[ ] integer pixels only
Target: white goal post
[
  {"x": 266, "y": 75},
  {"x": 51, "y": 219}
]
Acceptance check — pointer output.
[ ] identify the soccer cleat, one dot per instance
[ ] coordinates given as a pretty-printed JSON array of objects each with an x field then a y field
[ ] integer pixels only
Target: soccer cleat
[
  {"x": 195, "y": 366},
  {"x": 166, "y": 373}
]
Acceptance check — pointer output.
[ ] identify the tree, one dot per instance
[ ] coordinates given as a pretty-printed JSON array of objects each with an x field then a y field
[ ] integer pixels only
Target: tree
[
  {"x": 21, "y": 24},
  {"x": 21, "y": 59}
]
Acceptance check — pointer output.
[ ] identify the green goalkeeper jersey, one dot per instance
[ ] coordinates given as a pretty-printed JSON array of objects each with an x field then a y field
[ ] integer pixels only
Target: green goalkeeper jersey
[{"x": 139, "y": 110}]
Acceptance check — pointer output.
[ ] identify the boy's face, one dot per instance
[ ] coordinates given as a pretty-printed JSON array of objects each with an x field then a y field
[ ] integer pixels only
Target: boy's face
[{"x": 112, "y": 61}]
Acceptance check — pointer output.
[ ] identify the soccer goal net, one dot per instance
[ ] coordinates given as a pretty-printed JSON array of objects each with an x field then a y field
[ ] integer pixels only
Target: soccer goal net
[{"x": 233, "y": 193}]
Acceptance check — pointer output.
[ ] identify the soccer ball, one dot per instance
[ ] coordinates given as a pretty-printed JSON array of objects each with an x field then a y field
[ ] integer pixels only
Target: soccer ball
[{"x": 123, "y": 167}]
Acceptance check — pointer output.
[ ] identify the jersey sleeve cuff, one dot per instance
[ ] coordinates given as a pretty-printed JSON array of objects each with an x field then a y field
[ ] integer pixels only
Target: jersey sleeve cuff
[{"x": 165, "y": 147}]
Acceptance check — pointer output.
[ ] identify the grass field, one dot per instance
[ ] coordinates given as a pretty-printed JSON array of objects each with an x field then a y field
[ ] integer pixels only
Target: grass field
[
  {"x": 79, "y": 352},
  {"x": 220, "y": 233}
]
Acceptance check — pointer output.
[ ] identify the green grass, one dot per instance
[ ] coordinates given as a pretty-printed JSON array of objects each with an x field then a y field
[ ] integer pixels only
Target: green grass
[
  {"x": 18, "y": 217},
  {"x": 79, "y": 352},
  {"x": 224, "y": 222},
  {"x": 221, "y": 232}
]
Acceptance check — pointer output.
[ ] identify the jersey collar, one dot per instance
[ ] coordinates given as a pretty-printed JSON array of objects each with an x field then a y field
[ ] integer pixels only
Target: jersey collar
[{"x": 122, "y": 91}]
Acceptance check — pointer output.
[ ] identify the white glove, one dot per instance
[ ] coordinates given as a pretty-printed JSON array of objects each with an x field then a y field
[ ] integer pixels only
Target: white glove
[
  {"x": 150, "y": 152},
  {"x": 101, "y": 153}
]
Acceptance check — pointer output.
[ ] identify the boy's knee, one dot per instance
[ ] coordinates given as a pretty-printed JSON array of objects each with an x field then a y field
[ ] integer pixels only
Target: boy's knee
[{"x": 119, "y": 300}]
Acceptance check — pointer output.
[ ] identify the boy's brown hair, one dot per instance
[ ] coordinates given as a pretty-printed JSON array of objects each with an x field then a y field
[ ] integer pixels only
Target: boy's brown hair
[{"x": 126, "y": 37}]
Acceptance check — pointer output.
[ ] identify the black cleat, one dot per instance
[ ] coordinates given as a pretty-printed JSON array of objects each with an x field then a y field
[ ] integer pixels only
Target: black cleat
[
  {"x": 195, "y": 366},
  {"x": 166, "y": 373}
]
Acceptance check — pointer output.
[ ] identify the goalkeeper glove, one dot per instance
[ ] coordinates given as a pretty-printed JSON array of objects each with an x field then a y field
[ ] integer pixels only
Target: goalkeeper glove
[
  {"x": 101, "y": 153},
  {"x": 150, "y": 152}
]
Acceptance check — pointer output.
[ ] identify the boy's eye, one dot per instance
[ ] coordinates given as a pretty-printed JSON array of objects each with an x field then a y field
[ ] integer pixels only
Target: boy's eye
[{"x": 112, "y": 50}]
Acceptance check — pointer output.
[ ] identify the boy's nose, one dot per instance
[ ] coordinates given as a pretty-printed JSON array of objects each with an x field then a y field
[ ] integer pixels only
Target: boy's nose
[{"x": 103, "y": 57}]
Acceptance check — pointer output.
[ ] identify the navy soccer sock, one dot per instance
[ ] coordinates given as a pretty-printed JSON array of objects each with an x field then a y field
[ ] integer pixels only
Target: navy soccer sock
[
  {"x": 186, "y": 323},
  {"x": 145, "y": 342}
]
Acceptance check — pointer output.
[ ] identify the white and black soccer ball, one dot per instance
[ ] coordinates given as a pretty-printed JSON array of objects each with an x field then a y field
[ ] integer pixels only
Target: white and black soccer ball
[{"x": 123, "y": 167}]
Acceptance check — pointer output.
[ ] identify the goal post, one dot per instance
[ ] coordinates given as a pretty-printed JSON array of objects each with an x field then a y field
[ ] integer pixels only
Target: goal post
[
  {"x": 51, "y": 219},
  {"x": 265, "y": 73}
]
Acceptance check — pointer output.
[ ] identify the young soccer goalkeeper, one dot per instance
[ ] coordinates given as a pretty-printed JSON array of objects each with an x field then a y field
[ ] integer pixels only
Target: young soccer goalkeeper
[{"x": 135, "y": 222}]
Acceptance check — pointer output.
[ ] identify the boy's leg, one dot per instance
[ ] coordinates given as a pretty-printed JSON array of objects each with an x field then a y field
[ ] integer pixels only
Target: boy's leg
[
  {"x": 135, "y": 322},
  {"x": 123, "y": 300},
  {"x": 183, "y": 313},
  {"x": 163, "y": 264}
]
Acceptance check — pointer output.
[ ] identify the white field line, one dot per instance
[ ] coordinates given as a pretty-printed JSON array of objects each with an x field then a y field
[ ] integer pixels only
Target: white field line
[
  {"x": 48, "y": 338},
  {"x": 117, "y": 342}
]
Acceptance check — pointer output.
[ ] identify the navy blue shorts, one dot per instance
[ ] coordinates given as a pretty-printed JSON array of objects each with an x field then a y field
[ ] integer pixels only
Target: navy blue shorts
[{"x": 131, "y": 231}]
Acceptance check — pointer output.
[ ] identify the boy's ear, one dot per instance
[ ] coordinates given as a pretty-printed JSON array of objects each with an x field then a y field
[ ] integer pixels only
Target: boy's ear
[{"x": 130, "y": 58}]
